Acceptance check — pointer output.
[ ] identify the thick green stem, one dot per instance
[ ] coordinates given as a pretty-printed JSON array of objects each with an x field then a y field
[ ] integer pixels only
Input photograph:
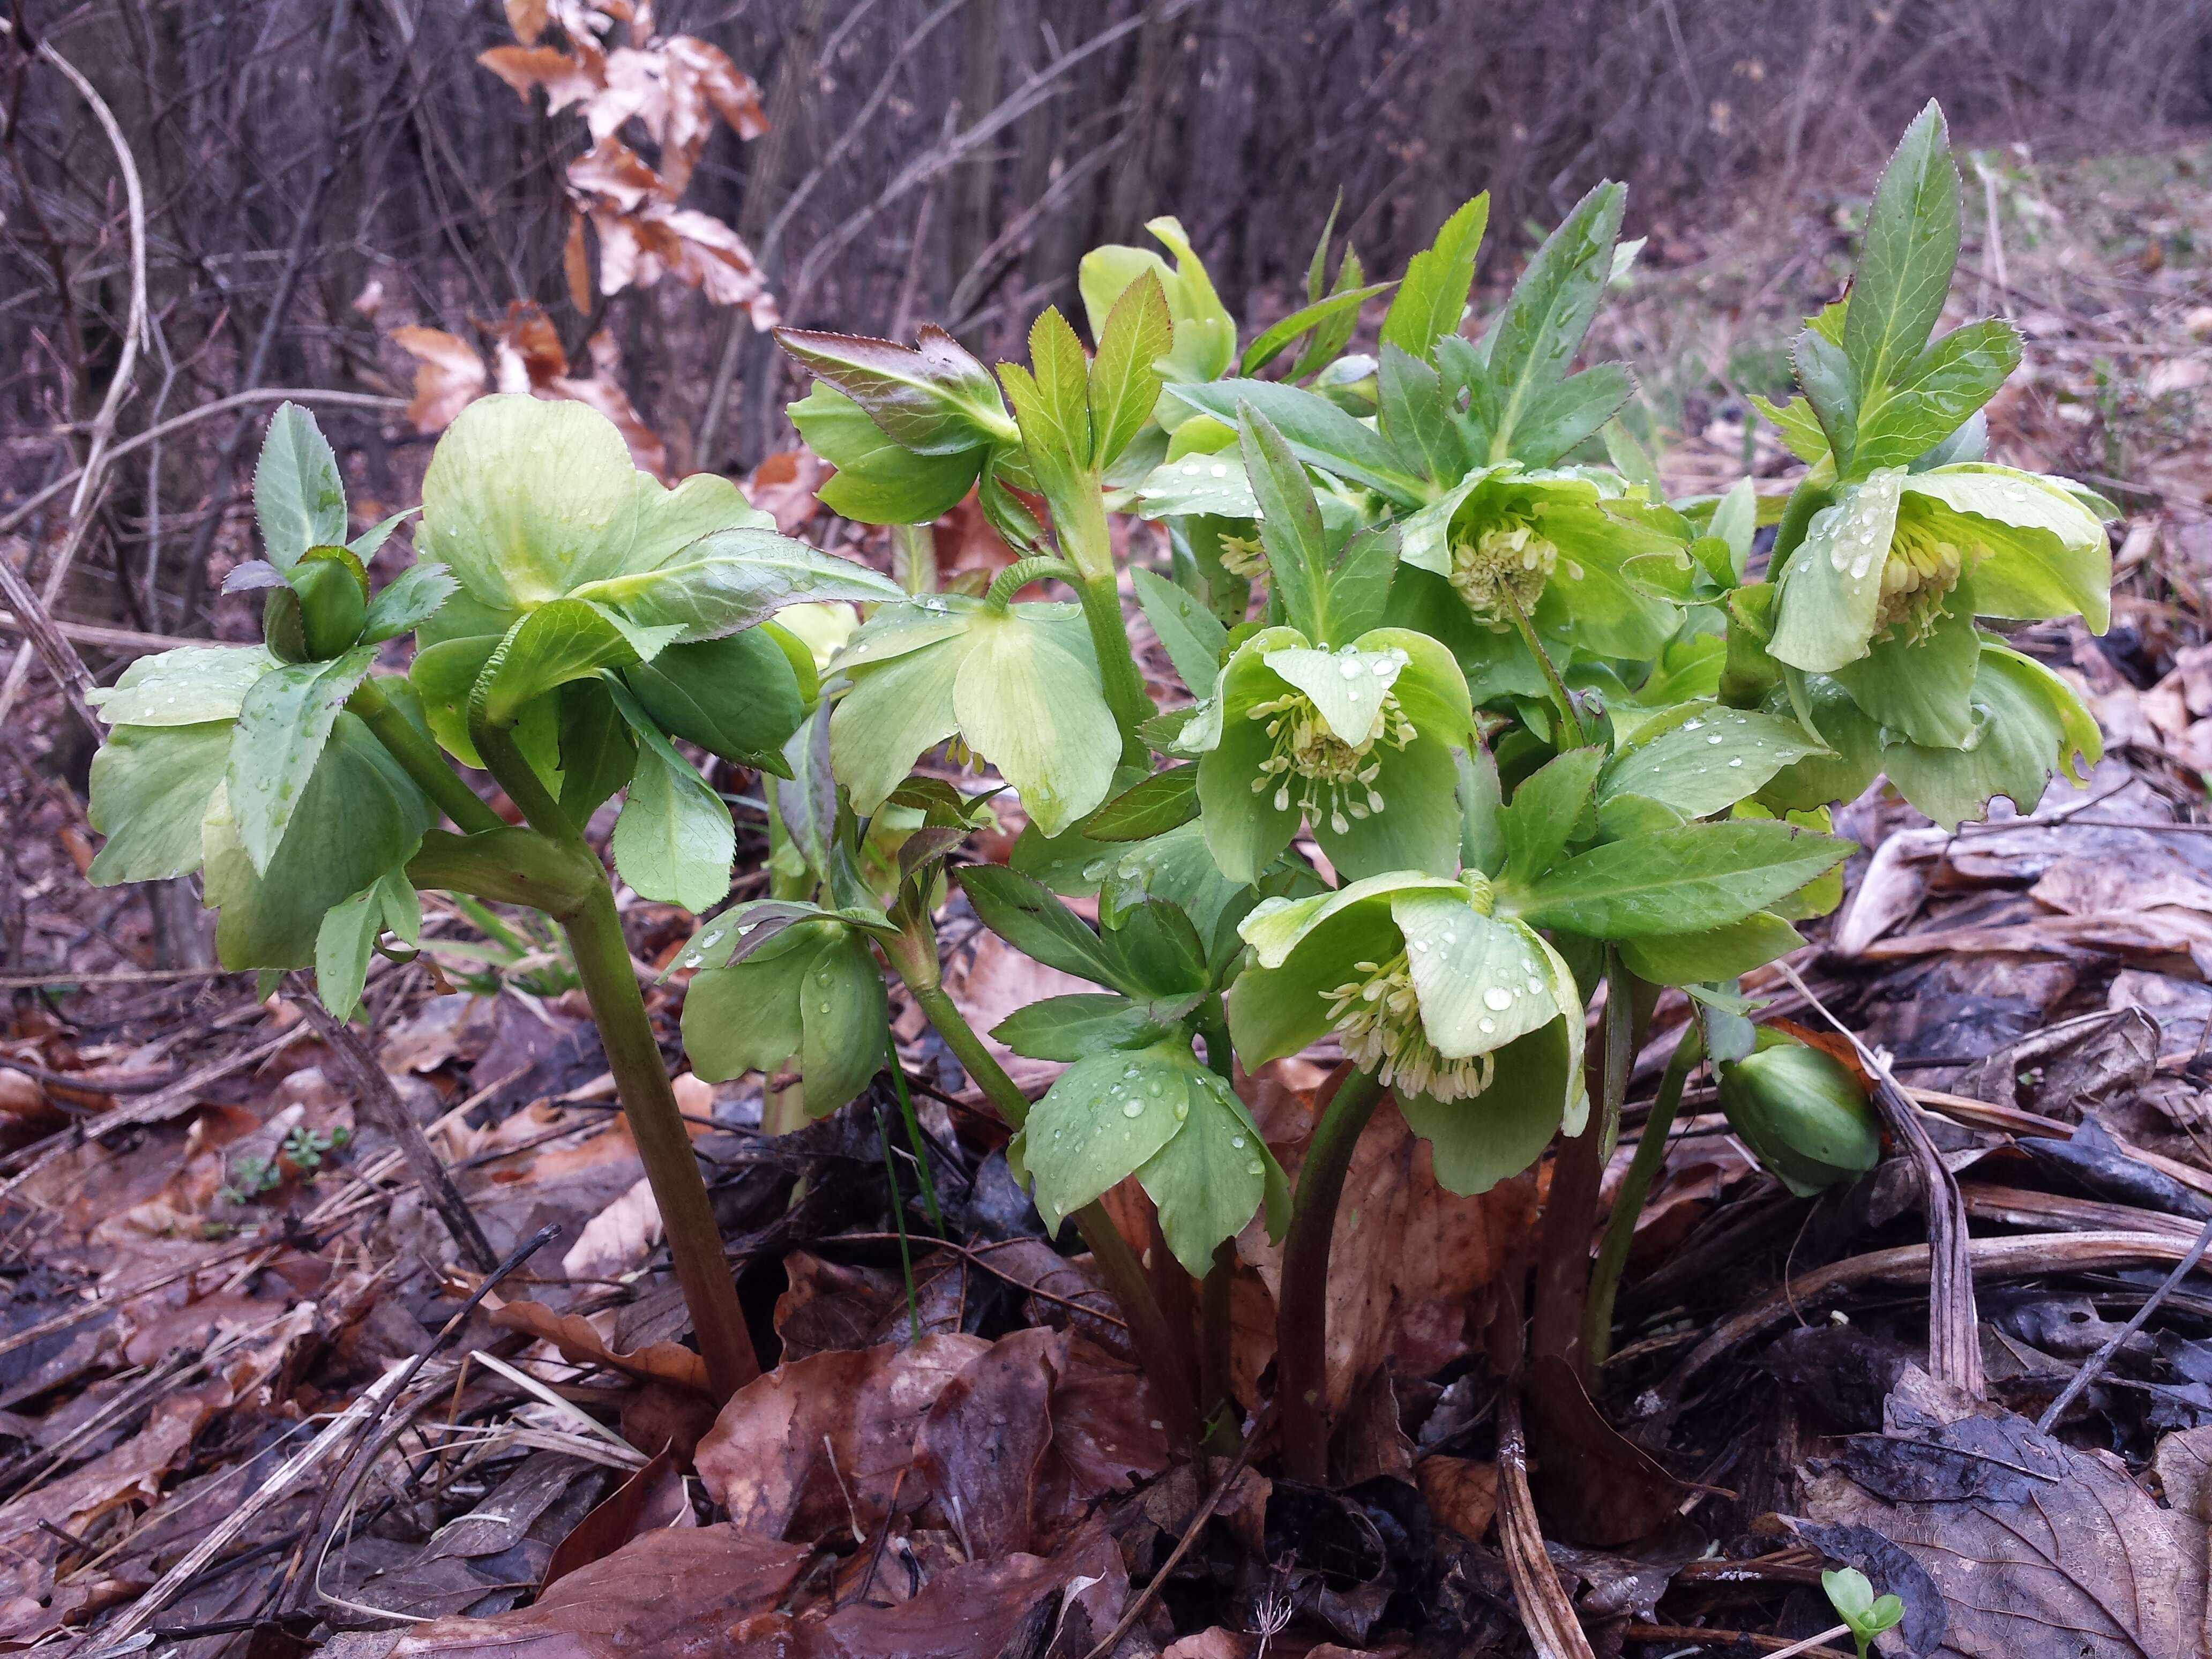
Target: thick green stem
[
  {"x": 1124, "y": 682},
  {"x": 1302, "y": 1308},
  {"x": 656, "y": 1123},
  {"x": 914, "y": 955},
  {"x": 1628, "y": 1202},
  {"x": 421, "y": 759}
]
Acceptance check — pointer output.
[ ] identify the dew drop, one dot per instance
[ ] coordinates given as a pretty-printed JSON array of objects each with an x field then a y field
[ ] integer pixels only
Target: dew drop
[
  {"x": 1238, "y": 1141},
  {"x": 1715, "y": 738},
  {"x": 1535, "y": 987},
  {"x": 1486, "y": 1024},
  {"x": 1255, "y": 1167},
  {"x": 1496, "y": 997},
  {"x": 1738, "y": 760},
  {"x": 1220, "y": 472},
  {"x": 1134, "y": 1109}
]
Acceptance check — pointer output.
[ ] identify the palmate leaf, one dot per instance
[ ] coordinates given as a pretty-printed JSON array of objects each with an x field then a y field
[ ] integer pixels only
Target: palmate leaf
[{"x": 183, "y": 687}]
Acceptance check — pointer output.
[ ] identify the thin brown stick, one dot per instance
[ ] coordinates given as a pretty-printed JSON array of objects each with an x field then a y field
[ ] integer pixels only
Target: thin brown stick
[
  {"x": 1774, "y": 1646},
  {"x": 2094, "y": 1365},
  {"x": 1145, "y": 1597}
]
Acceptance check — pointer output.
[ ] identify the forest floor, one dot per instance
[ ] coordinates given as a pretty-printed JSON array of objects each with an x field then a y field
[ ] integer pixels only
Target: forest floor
[{"x": 252, "y": 1402}]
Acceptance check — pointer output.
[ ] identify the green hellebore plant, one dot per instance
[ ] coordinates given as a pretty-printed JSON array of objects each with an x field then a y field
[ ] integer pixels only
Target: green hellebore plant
[
  {"x": 1801, "y": 1111},
  {"x": 1471, "y": 1019},
  {"x": 1356, "y": 743}
]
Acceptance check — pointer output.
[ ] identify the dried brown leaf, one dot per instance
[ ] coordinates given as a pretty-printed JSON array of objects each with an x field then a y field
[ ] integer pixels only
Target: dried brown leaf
[
  {"x": 790, "y": 1446},
  {"x": 527, "y": 19},
  {"x": 567, "y": 79},
  {"x": 580, "y": 1342},
  {"x": 1462, "y": 1493},
  {"x": 448, "y": 377},
  {"x": 654, "y": 1499}
]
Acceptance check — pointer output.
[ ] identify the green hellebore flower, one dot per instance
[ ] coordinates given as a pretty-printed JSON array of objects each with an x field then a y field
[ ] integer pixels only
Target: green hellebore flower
[
  {"x": 1471, "y": 1019},
  {"x": 1509, "y": 538},
  {"x": 813, "y": 990},
  {"x": 1356, "y": 743},
  {"x": 1802, "y": 1111},
  {"x": 1893, "y": 548},
  {"x": 1017, "y": 684}
]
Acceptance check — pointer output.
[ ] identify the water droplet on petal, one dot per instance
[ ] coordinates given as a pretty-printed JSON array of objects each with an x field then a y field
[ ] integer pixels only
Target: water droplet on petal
[{"x": 1496, "y": 997}]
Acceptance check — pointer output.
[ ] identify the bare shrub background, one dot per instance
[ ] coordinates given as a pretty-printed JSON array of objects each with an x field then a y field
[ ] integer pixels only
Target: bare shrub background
[{"x": 945, "y": 160}]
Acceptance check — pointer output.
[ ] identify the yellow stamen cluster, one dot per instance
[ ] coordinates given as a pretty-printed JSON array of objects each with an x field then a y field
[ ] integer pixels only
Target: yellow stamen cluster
[
  {"x": 1919, "y": 573},
  {"x": 1242, "y": 556},
  {"x": 1506, "y": 560},
  {"x": 1377, "y": 1018},
  {"x": 1332, "y": 781}
]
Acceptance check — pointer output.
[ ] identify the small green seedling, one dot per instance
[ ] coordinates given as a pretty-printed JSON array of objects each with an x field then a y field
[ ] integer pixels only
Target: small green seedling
[
  {"x": 1856, "y": 1604},
  {"x": 304, "y": 1149}
]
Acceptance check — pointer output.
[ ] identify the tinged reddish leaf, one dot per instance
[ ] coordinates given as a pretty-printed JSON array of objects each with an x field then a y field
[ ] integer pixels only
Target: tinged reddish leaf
[
  {"x": 657, "y": 1362},
  {"x": 654, "y": 1499},
  {"x": 567, "y": 80},
  {"x": 449, "y": 376},
  {"x": 527, "y": 19}
]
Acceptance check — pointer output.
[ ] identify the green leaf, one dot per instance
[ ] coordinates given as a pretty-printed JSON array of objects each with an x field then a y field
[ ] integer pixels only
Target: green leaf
[
  {"x": 1433, "y": 296},
  {"x": 150, "y": 788},
  {"x": 806, "y": 801},
  {"x": 1559, "y": 418},
  {"x": 1335, "y": 308},
  {"x": 188, "y": 686},
  {"x": 285, "y": 721},
  {"x": 1935, "y": 393},
  {"x": 1833, "y": 388},
  {"x": 1209, "y": 485},
  {"x": 358, "y": 816},
  {"x": 1290, "y": 526},
  {"x": 878, "y": 480},
  {"x": 1541, "y": 818},
  {"x": 1910, "y": 248},
  {"x": 1734, "y": 523},
  {"x": 1026, "y": 915},
  {"x": 597, "y": 753},
  {"x": 1159, "y": 950},
  {"x": 563, "y": 641},
  {"x": 745, "y": 1016},
  {"x": 1689, "y": 880},
  {"x": 1205, "y": 333},
  {"x": 1317, "y": 431},
  {"x": 1054, "y": 406},
  {"x": 1476, "y": 1143},
  {"x": 1036, "y": 710},
  {"x": 737, "y": 697},
  {"x": 1800, "y": 426},
  {"x": 674, "y": 841},
  {"x": 1214, "y": 1173},
  {"x": 1721, "y": 953},
  {"x": 1193, "y": 638},
  {"x": 1123, "y": 384},
  {"x": 1163, "y": 801},
  {"x": 1706, "y": 761},
  {"x": 1103, "y": 1118},
  {"x": 1068, "y": 1028},
  {"x": 1415, "y": 416},
  {"x": 895, "y": 712},
  {"x": 348, "y": 936},
  {"x": 366, "y": 545},
  {"x": 731, "y": 578},
  {"x": 932, "y": 397},
  {"x": 1541, "y": 328},
  {"x": 408, "y": 600},
  {"x": 1482, "y": 836},
  {"x": 844, "y": 1016},
  {"x": 1849, "y": 1593},
  {"x": 299, "y": 498}
]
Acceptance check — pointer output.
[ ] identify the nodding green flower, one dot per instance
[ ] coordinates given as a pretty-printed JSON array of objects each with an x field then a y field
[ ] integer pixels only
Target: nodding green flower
[
  {"x": 1501, "y": 565},
  {"x": 1242, "y": 556},
  {"x": 1509, "y": 540},
  {"x": 1355, "y": 743},
  {"x": 1470, "y": 1018},
  {"x": 1898, "y": 553}
]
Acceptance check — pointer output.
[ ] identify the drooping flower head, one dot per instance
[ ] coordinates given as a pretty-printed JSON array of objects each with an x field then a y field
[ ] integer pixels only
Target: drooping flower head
[
  {"x": 1471, "y": 1019},
  {"x": 1355, "y": 743}
]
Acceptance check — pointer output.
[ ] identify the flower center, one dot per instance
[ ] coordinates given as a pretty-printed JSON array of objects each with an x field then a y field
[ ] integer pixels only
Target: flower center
[
  {"x": 1919, "y": 573},
  {"x": 1507, "y": 561},
  {"x": 1377, "y": 1018},
  {"x": 1242, "y": 556},
  {"x": 1332, "y": 780}
]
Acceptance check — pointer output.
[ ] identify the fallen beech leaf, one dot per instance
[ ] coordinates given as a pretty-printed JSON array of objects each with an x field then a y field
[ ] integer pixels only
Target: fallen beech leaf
[
  {"x": 659, "y": 1362},
  {"x": 449, "y": 376},
  {"x": 766, "y": 1461},
  {"x": 1019, "y": 1444},
  {"x": 1220, "y": 1642},
  {"x": 654, "y": 1499},
  {"x": 673, "y": 1592},
  {"x": 617, "y": 1238},
  {"x": 2037, "y": 1546},
  {"x": 830, "y": 1305},
  {"x": 784, "y": 484},
  {"x": 1462, "y": 1493}
]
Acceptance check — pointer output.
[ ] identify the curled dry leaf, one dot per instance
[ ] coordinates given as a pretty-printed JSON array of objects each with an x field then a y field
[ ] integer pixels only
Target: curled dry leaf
[
  {"x": 618, "y": 1237},
  {"x": 448, "y": 376},
  {"x": 567, "y": 80},
  {"x": 580, "y": 1341},
  {"x": 789, "y": 1446},
  {"x": 653, "y": 1499}
]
